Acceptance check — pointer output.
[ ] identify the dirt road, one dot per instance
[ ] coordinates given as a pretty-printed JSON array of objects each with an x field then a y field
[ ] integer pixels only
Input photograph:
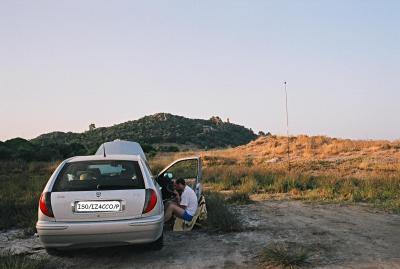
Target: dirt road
[{"x": 338, "y": 237}]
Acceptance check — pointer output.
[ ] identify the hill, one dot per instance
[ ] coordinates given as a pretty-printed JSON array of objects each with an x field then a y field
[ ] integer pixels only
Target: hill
[
  {"x": 158, "y": 132},
  {"x": 322, "y": 168},
  {"x": 315, "y": 155}
]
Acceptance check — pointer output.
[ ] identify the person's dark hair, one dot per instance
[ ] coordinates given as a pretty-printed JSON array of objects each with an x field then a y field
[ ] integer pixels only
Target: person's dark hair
[{"x": 180, "y": 181}]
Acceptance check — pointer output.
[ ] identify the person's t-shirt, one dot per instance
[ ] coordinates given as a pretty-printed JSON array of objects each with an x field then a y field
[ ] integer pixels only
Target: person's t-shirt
[{"x": 189, "y": 199}]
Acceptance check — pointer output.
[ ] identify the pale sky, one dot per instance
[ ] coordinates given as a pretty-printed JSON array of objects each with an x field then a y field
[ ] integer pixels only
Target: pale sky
[{"x": 66, "y": 64}]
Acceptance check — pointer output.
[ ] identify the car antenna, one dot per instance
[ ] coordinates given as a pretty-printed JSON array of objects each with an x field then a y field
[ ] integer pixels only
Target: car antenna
[{"x": 104, "y": 150}]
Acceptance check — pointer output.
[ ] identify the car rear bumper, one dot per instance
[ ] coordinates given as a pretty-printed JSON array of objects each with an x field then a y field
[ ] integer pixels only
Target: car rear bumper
[{"x": 85, "y": 234}]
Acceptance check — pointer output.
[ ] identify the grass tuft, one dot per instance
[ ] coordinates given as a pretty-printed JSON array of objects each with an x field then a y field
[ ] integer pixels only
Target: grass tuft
[
  {"x": 239, "y": 198},
  {"x": 9, "y": 261},
  {"x": 285, "y": 255}
]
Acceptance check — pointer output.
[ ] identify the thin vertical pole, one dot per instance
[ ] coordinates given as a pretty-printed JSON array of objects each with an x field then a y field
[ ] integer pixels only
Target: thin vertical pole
[{"x": 287, "y": 128}]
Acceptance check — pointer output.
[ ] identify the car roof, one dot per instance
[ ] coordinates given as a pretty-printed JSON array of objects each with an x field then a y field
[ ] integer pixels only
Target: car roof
[
  {"x": 102, "y": 158},
  {"x": 121, "y": 147}
]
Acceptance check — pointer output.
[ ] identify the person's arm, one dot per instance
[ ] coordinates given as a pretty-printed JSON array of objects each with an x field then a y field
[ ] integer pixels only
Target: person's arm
[{"x": 177, "y": 197}]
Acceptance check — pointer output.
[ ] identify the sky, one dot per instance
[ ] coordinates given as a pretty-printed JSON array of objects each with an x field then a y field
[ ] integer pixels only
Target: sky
[{"x": 66, "y": 64}]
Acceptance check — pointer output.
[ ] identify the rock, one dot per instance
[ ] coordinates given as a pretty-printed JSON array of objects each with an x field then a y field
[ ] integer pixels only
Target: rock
[{"x": 273, "y": 160}]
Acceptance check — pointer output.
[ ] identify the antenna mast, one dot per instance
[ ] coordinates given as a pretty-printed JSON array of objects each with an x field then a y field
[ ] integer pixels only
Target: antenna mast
[{"x": 287, "y": 128}]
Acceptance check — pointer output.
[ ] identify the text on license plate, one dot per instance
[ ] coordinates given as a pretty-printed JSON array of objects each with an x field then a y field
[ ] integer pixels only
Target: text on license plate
[{"x": 98, "y": 206}]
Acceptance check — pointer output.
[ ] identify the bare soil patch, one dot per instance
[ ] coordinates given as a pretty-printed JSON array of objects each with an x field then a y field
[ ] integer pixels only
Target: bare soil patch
[{"x": 337, "y": 236}]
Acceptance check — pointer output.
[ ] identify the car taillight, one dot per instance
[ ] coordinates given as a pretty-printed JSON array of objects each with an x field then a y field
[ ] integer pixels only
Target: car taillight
[
  {"x": 150, "y": 200},
  {"x": 45, "y": 204}
]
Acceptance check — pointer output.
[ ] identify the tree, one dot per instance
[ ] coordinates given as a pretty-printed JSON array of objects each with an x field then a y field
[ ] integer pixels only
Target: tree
[
  {"x": 92, "y": 126},
  {"x": 5, "y": 152},
  {"x": 21, "y": 149},
  {"x": 47, "y": 153}
]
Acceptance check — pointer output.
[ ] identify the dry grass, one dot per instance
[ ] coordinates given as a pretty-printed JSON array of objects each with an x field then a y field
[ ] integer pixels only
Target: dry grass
[
  {"x": 284, "y": 255},
  {"x": 312, "y": 155},
  {"x": 323, "y": 168},
  {"x": 239, "y": 198},
  {"x": 9, "y": 261},
  {"x": 319, "y": 155}
]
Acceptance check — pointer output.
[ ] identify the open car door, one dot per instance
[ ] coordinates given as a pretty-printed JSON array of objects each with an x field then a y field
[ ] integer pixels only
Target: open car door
[{"x": 186, "y": 168}]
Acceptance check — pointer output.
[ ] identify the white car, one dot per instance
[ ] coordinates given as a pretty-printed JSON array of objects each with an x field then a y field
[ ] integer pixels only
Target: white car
[{"x": 110, "y": 198}]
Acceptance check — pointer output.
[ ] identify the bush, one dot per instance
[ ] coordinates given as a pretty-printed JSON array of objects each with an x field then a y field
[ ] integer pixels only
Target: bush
[
  {"x": 239, "y": 198},
  {"x": 220, "y": 217},
  {"x": 168, "y": 149},
  {"x": 21, "y": 186},
  {"x": 19, "y": 212},
  {"x": 9, "y": 261}
]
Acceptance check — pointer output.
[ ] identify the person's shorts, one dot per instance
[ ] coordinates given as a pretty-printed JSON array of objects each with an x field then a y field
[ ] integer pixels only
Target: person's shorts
[{"x": 186, "y": 216}]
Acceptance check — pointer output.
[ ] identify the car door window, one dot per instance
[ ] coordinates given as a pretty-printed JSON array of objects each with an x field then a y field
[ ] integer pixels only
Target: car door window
[{"x": 186, "y": 169}]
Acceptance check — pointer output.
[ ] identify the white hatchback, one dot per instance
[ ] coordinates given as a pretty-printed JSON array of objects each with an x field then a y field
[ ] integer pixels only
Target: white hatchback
[{"x": 110, "y": 198}]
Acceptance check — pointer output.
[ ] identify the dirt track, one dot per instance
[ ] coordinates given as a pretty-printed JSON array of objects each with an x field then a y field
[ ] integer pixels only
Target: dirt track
[{"x": 338, "y": 236}]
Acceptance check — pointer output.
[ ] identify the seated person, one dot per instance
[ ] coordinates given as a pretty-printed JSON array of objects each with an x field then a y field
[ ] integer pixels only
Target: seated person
[
  {"x": 85, "y": 176},
  {"x": 186, "y": 204}
]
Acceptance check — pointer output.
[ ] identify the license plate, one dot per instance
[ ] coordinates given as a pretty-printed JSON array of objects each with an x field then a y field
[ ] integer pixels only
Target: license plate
[{"x": 98, "y": 206}]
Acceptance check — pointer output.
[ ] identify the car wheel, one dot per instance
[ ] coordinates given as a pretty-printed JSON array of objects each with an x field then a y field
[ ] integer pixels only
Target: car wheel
[{"x": 158, "y": 244}]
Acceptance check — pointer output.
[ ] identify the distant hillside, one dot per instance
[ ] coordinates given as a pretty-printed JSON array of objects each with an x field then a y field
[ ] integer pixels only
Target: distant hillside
[
  {"x": 316, "y": 155},
  {"x": 309, "y": 155},
  {"x": 158, "y": 129},
  {"x": 158, "y": 132}
]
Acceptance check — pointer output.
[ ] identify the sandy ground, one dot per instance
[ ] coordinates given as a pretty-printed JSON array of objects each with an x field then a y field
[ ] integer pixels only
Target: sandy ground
[{"x": 339, "y": 236}]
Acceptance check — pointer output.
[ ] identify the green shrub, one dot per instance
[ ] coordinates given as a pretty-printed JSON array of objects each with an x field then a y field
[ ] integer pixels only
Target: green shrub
[
  {"x": 21, "y": 186},
  {"x": 220, "y": 217}
]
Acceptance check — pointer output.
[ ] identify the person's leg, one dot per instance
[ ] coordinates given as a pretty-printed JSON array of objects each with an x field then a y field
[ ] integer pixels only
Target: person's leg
[
  {"x": 173, "y": 209},
  {"x": 168, "y": 212},
  {"x": 178, "y": 211},
  {"x": 166, "y": 205}
]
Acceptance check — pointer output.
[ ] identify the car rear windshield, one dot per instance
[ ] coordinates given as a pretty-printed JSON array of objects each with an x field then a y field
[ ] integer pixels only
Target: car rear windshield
[{"x": 99, "y": 175}]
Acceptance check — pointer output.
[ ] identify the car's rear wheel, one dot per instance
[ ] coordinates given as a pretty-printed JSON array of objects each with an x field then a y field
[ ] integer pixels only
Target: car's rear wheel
[{"x": 158, "y": 244}]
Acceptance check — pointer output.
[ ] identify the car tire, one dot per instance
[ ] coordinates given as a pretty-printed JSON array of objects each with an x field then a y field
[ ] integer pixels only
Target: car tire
[{"x": 158, "y": 244}]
